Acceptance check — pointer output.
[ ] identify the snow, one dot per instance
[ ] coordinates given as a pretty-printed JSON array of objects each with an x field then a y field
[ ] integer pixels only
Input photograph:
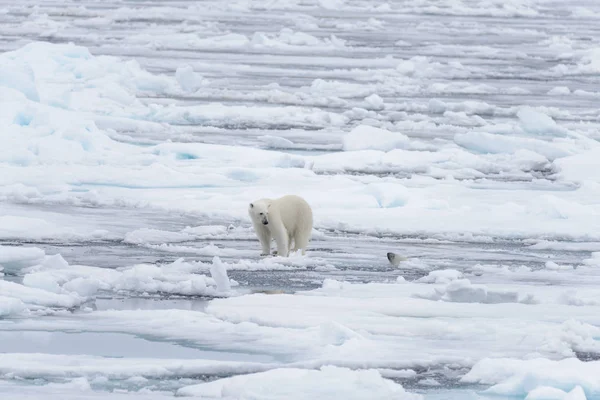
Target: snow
[
  {"x": 579, "y": 167},
  {"x": 560, "y": 91},
  {"x": 442, "y": 276},
  {"x": 36, "y": 297},
  {"x": 178, "y": 277},
  {"x": 537, "y": 150},
  {"x": 538, "y": 378},
  {"x": 69, "y": 391},
  {"x": 189, "y": 80},
  {"x": 187, "y": 165},
  {"x": 11, "y": 306},
  {"x": 538, "y": 123},
  {"x": 550, "y": 393},
  {"x": 219, "y": 274},
  {"x": 370, "y": 138},
  {"x": 289, "y": 383},
  {"x": 461, "y": 135},
  {"x": 34, "y": 366},
  {"x": 15, "y": 258},
  {"x": 463, "y": 291}
]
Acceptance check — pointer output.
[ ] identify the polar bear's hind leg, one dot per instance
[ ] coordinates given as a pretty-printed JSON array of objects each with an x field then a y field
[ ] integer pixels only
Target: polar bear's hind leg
[{"x": 301, "y": 239}]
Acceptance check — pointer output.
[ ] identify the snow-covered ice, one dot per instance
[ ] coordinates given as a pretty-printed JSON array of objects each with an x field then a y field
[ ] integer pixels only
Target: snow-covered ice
[
  {"x": 326, "y": 383},
  {"x": 461, "y": 135}
]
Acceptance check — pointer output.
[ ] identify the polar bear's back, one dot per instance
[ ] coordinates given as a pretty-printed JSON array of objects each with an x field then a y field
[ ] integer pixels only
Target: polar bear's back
[{"x": 295, "y": 213}]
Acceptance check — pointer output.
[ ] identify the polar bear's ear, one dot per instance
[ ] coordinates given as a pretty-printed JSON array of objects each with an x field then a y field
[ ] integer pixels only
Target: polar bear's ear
[{"x": 251, "y": 205}]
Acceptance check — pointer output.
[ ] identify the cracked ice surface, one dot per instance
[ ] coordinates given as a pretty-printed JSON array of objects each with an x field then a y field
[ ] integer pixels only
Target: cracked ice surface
[{"x": 460, "y": 134}]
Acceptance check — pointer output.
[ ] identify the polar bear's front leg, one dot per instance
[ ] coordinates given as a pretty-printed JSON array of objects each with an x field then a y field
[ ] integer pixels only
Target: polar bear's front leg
[
  {"x": 264, "y": 236},
  {"x": 265, "y": 243},
  {"x": 281, "y": 238}
]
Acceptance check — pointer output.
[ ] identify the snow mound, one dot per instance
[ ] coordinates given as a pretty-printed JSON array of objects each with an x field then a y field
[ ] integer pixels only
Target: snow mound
[
  {"x": 291, "y": 383},
  {"x": 11, "y": 306},
  {"x": 53, "y": 69},
  {"x": 375, "y": 102},
  {"x": 463, "y": 291},
  {"x": 188, "y": 80},
  {"x": 388, "y": 195},
  {"x": 14, "y": 258},
  {"x": 219, "y": 273},
  {"x": 537, "y": 378},
  {"x": 38, "y": 298},
  {"x": 559, "y": 91},
  {"x": 365, "y": 137},
  {"x": 19, "y": 76},
  {"x": 441, "y": 276},
  {"x": 276, "y": 142},
  {"x": 490, "y": 143},
  {"x": 42, "y": 297},
  {"x": 178, "y": 278},
  {"x": 333, "y": 284},
  {"x": 537, "y": 123},
  {"x": 580, "y": 167}
]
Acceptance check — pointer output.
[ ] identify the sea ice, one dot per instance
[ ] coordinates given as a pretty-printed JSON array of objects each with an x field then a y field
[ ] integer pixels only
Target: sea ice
[
  {"x": 462, "y": 134},
  {"x": 189, "y": 80},
  {"x": 365, "y": 137},
  {"x": 326, "y": 383}
]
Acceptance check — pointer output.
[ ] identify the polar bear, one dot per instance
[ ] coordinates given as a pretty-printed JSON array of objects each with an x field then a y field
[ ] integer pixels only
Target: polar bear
[{"x": 286, "y": 219}]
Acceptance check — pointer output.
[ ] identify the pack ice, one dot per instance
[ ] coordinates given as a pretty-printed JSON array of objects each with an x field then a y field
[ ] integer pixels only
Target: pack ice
[{"x": 460, "y": 135}]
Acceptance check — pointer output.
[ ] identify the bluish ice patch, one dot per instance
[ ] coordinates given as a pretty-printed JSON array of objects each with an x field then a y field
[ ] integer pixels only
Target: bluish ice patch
[
  {"x": 23, "y": 119},
  {"x": 186, "y": 156},
  {"x": 21, "y": 160},
  {"x": 86, "y": 145},
  {"x": 34, "y": 149},
  {"x": 20, "y": 78},
  {"x": 396, "y": 203},
  {"x": 72, "y": 51},
  {"x": 382, "y": 202},
  {"x": 63, "y": 104},
  {"x": 244, "y": 175}
]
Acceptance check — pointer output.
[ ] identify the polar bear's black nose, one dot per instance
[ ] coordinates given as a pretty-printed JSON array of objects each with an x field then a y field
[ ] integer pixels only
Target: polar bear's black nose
[{"x": 265, "y": 222}]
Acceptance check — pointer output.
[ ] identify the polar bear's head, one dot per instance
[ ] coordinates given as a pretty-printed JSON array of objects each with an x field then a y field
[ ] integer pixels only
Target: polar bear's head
[{"x": 259, "y": 211}]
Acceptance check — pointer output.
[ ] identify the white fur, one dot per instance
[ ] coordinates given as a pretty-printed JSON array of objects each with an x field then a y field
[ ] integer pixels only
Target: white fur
[{"x": 289, "y": 219}]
